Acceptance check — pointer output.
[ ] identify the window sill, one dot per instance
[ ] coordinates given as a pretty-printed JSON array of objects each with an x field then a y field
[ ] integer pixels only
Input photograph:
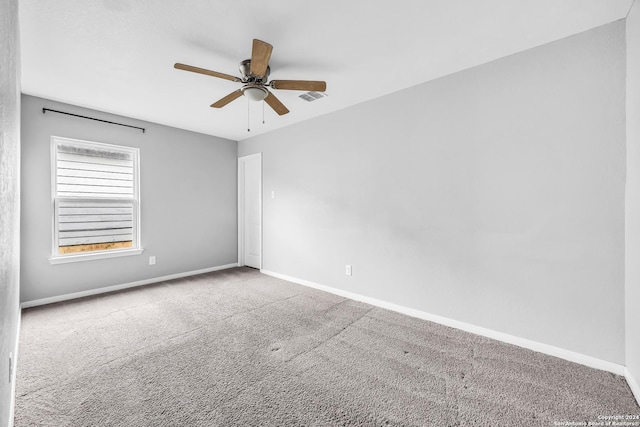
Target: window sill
[{"x": 64, "y": 259}]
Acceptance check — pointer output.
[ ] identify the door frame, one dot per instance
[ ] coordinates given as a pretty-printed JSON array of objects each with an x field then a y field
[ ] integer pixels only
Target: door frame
[{"x": 241, "y": 184}]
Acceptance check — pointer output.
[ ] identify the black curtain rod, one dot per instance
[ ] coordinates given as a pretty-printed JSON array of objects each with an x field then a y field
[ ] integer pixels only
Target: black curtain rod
[{"x": 44, "y": 110}]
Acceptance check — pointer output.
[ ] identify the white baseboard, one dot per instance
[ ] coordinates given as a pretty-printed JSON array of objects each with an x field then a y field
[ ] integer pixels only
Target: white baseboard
[
  {"x": 633, "y": 384},
  {"x": 106, "y": 289},
  {"x": 478, "y": 330}
]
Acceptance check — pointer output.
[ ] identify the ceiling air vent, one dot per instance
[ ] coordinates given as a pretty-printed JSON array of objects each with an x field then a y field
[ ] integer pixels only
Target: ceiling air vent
[{"x": 312, "y": 96}]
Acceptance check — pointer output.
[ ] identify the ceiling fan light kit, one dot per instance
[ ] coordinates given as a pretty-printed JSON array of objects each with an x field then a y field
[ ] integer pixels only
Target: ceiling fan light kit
[
  {"x": 254, "y": 92},
  {"x": 255, "y": 73}
]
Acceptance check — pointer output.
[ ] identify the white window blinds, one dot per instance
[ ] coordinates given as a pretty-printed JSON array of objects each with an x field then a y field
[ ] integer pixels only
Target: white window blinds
[
  {"x": 95, "y": 197},
  {"x": 93, "y": 172},
  {"x": 96, "y": 222}
]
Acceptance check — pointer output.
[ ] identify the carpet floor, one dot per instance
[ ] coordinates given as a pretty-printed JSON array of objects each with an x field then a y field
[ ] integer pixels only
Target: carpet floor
[{"x": 236, "y": 347}]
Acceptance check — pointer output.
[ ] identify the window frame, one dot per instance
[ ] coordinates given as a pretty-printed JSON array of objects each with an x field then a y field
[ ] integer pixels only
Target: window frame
[{"x": 136, "y": 249}]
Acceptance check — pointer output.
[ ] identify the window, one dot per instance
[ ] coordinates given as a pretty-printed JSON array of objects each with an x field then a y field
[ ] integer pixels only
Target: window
[{"x": 95, "y": 200}]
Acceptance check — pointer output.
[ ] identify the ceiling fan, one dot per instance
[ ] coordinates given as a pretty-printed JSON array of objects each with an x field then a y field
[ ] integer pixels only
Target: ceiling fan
[{"x": 255, "y": 84}]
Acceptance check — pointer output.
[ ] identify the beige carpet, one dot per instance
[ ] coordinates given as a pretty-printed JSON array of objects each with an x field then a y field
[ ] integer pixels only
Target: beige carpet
[{"x": 239, "y": 348}]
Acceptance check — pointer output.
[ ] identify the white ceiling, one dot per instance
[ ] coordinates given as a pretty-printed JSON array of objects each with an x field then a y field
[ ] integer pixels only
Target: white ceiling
[{"x": 117, "y": 55}]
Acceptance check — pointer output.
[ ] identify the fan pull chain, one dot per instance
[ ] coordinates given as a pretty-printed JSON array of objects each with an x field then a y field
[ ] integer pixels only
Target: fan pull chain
[
  {"x": 263, "y": 111},
  {"x": 248, "y": 115}
]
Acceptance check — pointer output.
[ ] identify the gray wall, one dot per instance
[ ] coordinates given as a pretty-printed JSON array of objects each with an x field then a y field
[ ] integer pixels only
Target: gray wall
[
  {"x": 9, "y": 197},
  {"x": 188, "y": 185},
  {"x": 633, "y": 196},
  {"x": 494, "y": 196}
]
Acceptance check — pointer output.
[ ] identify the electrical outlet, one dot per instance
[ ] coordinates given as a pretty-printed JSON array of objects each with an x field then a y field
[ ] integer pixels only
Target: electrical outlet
[
  {"x": 152, "y": 260},
  {"x": 347, "y": 270}
]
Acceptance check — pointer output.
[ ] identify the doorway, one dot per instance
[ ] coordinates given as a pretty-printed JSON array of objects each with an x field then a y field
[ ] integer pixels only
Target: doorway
[{"x": 250, "y": 210}]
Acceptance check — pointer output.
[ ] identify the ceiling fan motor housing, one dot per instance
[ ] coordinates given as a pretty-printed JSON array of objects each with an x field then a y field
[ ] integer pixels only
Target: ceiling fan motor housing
[{"x": 247, "y": 77}]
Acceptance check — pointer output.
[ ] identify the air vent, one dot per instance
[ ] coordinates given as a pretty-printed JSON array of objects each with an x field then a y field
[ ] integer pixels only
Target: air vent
[{"x": 312, "y": 96}]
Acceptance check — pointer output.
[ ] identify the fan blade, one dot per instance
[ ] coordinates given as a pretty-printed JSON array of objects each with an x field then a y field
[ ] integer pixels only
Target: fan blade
[
  {"x": 207, "y": 72},
  {"x": 275, "y": 103},
  {"x": 260, "y": 55},
  {"x": 308, "y": 85},
  {"x": 227, "y": 99}
]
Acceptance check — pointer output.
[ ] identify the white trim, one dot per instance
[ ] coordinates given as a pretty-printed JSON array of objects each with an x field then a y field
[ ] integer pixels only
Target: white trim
[
  {"x": 240, "y": 211},
  {"x": 14, "y": 374},
  {"x": 241, "y": 175},
  {"x": 478, "y": 330},
  {"x": 94, "y": 255},
  {"x": 106, "y": 289},
  {"x": 633, "y": 384}
]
